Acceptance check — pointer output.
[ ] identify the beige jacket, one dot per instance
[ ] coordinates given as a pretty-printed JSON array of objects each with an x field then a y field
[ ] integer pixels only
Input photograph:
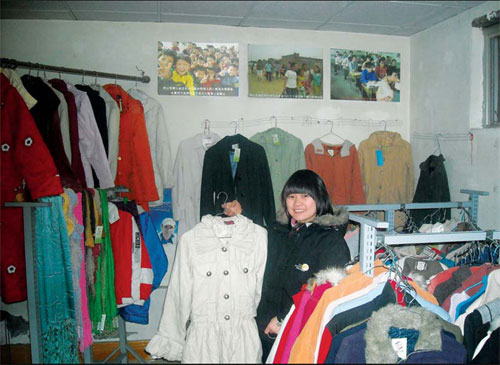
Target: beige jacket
[
  {"x": 388, "y": 179},
  {"x": 216, "y": 284}
]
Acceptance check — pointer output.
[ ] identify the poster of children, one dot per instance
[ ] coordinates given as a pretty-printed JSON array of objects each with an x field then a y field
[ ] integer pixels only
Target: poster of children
[
  {"x": 362, "y": 75},
  {"x": 281, "y": 71},
  {"x": 198, "y": 69}
]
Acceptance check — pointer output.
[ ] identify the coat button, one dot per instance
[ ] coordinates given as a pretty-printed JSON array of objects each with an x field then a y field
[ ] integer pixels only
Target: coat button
[
  {"x": 5, "y": 147},
  {"x": 227, "y": 318},
  {"x": 245, "y": 270},
  {"x": 11, "y": 269},
  {"x": 226, "y": 272},
  {"x": 224, "y": 249},
  {"x": 28, "y": 142},
  {"x": 226, "y": 296},
  {"x": 209, "y": 273}
]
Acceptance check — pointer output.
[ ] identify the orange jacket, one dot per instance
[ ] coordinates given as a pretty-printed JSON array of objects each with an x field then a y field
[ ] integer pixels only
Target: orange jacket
[
  {"x": 135, "y": 167},
  {"x": 338, "y": 166}
]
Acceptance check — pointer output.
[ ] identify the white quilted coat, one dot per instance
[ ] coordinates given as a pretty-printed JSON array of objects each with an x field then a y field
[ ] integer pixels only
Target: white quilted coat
[{"x": 216, "y": 284}]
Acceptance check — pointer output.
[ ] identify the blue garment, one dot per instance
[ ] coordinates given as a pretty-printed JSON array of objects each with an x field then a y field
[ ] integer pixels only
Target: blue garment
[
  {"x": 367, "y": 76},
  {"x": 462, "y": 306},
  {"x": 59, "y": 340},
  {"x": 337, "y": 341},
  {"x": 137, "y": 313},
  {"x": 436, "y": 309}
]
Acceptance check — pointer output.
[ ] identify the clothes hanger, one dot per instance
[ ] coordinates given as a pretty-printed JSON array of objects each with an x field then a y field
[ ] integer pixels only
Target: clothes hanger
[
  {"x": 331, "y": 133},
  {"x": 438, "y": 149},
  {"x": 222, "y": 214}
]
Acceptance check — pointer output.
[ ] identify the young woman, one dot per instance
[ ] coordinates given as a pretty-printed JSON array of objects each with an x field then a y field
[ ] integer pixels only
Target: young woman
[{"x": 308, "y": 237}]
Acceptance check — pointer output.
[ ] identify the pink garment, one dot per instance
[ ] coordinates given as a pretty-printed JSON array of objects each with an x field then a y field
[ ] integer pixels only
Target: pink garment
[
  {"x": 306, "y": 307},
  {"x": 311, "y": 304},
  {"x": 295, "y": 327},
  {"x": 87, "y": 327}
]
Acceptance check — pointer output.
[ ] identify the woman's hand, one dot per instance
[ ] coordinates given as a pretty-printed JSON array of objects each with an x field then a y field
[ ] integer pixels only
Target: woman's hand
[
  {"x": 232, "y": 208},
  {"x": 273, "y": 327}
]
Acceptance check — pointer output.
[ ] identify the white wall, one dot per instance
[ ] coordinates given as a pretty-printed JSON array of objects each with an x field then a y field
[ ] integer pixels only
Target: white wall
[
  {"x": 120, "y": 46},
  {"x": 446, "y": 87}
]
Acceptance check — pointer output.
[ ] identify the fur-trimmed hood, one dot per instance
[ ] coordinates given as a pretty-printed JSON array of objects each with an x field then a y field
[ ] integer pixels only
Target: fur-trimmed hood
[
  {"x": 333, "y": 275},
  {"x": 378, "y": 343},
  {"x": 340, "y": 216}
]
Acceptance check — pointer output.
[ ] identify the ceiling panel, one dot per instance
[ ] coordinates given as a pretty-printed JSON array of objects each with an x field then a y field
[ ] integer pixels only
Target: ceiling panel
[
  {"x": 381, "y": 13},
  {"x": 200, "y": 19},
  {"x": 280, "y": 23},
  {"x": 226, "y": 8},
  {"x": 112, "y": 6},
  {"x": 115, "y": 16},
  {"x": 296, "y": 10},
  {"x": 364, "y": 28},
  {"x": 377, "y": 17},
  {"x": 36, "y": 14},
  {"x": 34, "y": 5}
]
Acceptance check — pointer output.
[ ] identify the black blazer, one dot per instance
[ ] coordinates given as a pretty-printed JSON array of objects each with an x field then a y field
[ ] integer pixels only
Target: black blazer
[{"x": 251, "y": 186}]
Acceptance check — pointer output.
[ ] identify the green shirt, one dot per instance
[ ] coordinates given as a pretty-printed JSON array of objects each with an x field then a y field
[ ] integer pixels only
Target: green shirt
[{"x": 285, "y": 155}]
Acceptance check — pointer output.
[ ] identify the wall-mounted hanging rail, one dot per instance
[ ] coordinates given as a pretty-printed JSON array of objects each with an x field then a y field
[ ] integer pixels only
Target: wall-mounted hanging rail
[{"x": 7, "y": 62}]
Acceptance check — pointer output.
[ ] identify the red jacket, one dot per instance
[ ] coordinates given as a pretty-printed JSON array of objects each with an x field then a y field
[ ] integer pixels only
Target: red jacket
[
  {"x": 135, "y": 167},
  {"x": 26, "y": 163}
]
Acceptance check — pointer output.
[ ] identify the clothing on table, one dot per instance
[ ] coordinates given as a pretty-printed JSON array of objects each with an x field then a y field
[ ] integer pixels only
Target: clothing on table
[
  {"x": 159, "y": 142},
  {"x": 135, "y": 166},
  {"x": 384, "y": 91},
  {"x": 188, "y": 169},
  {"x": 26, "y": 165},
  {"x": 338, "y": 165},
  {"x": 251, "y": 185},
  {"x": 432, "y": 186},
  {"x": 285, "y": 155},
  {"x": 216, "y": 283}
]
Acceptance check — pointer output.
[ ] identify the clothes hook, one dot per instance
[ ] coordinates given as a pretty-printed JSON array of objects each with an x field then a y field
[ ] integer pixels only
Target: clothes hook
[
  {"x": 38, "y": 70},
  {"x": 206, "y": 128},
  {"x": 235, "y": 126},
  {"x": 222, "y": 192},
  {"x": 44, "y": 74},
  {"x": 95, "y": 82},
  {"x": 439, "y": 145},
  {"x": 141, "y": 71},
  {"x": 60, "y": 77},
  {"x": 116, "y": 76},
  {"x": 83, "y": 77}
]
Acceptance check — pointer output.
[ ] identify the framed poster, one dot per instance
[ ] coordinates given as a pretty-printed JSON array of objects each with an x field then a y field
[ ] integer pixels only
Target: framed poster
[
  {"x": 198, "y": 69},
  {"x": 363, "y": 75},
  {"x": 281, "y": 71}
]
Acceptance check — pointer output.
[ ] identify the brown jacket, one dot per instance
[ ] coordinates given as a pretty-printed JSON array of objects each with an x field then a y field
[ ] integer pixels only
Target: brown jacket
[
  {"x": 339, "y": 167},
  {"x": 388, "y": 178}
]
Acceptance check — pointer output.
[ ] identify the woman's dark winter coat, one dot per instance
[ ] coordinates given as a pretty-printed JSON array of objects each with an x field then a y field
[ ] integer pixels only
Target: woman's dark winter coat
[
  {"x": 251, "y": 185},
  {"x": 432, "y": 186},
  {"x": 319, "y": 245}
]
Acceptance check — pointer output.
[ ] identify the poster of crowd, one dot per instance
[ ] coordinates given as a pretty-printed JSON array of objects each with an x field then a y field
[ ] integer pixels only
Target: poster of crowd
[
  {"x": 281, "y": 71},
  {"x": 193, "y": 68},
  {"x": 363, "y": 75}
]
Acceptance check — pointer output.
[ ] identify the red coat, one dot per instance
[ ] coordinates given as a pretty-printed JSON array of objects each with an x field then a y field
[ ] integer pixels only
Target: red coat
[
  {"x": 26, "y": 163},
  {"x": 135, "y": 166}
]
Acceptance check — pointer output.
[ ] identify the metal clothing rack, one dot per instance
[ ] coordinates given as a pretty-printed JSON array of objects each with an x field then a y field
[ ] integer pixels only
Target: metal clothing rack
[
  {"x": 31, "y": 281},
  {"x": 7, "y": 62},
  {"x": 369, "y": 236}
]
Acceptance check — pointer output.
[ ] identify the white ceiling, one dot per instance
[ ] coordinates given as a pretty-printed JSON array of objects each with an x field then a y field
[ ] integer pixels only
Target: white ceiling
[{"x": 401, "y": 18}]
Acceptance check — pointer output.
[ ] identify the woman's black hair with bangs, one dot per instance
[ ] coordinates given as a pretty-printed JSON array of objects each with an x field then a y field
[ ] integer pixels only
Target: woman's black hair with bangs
[{"x": 310, "y": 183}]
